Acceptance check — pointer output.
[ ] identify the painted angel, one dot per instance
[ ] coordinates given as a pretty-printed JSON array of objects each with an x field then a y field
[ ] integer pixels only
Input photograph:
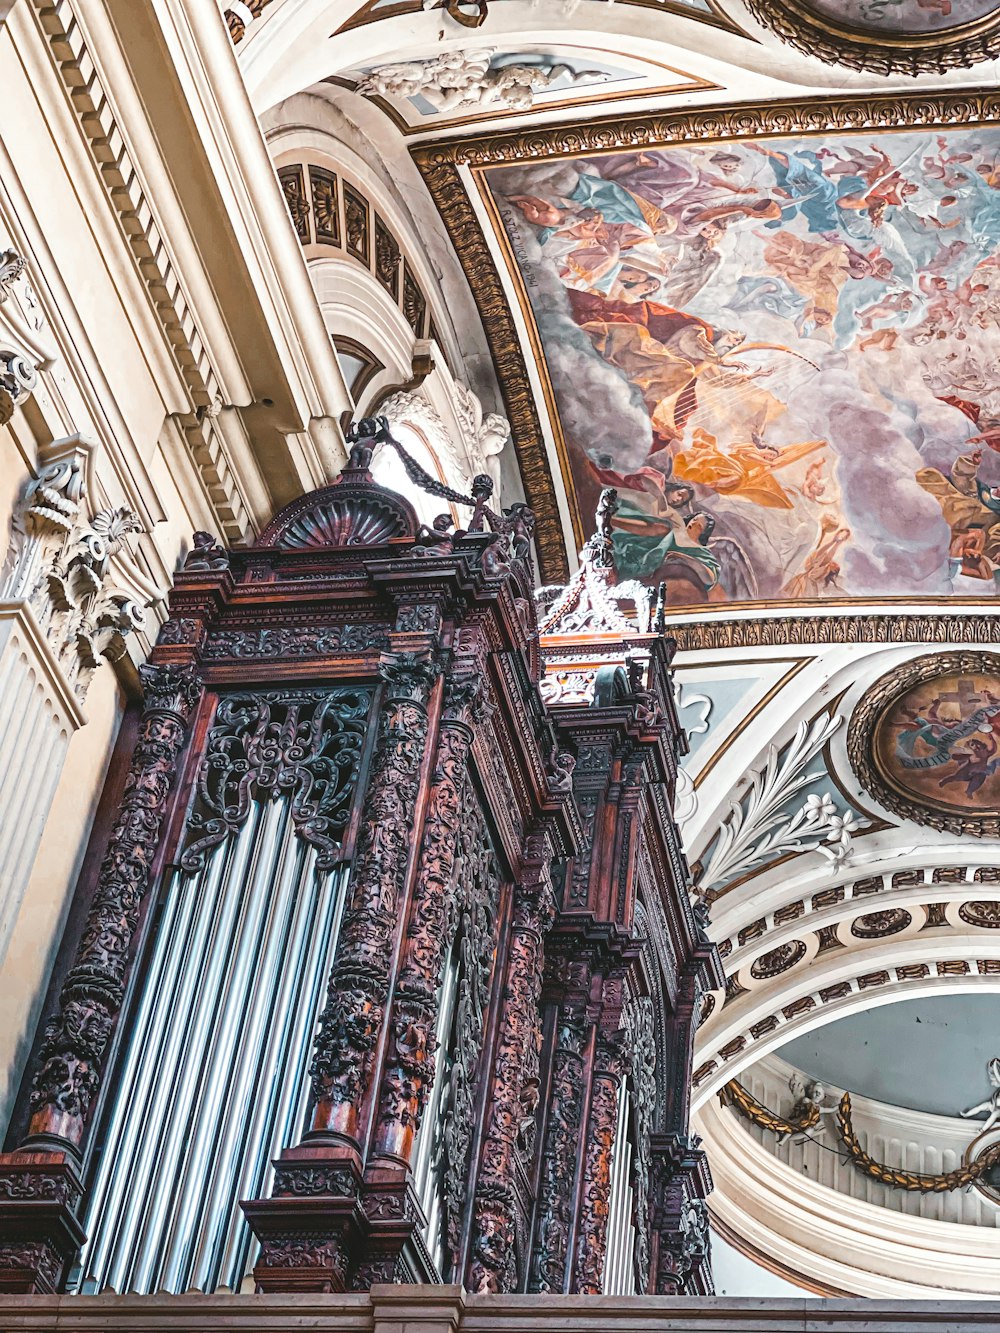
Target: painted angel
[{"x": 992, "y": 1103}]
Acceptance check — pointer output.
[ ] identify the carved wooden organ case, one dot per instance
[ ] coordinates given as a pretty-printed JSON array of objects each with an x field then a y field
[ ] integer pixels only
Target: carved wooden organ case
[{"x": 381, "y": 968}]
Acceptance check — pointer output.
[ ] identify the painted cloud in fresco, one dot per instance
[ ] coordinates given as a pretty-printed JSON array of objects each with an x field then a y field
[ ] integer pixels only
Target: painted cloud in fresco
[
  {"x": 782, "y": 353},
  {"x": 903, "y": 16}
]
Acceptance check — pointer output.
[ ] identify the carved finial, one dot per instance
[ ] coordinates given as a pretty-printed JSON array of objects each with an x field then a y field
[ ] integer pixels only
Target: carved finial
[
  {"x": 599, "y": 551},
  {"x": 364, "y": 437},
  {"x": 206, "y": 554}
]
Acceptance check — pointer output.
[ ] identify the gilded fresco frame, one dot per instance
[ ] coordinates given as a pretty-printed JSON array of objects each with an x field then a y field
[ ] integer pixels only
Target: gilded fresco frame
[
  {"x": 798, "y": 24},
  {"x": 862, "y": 737},
  {"x": 442, "y": 163}
]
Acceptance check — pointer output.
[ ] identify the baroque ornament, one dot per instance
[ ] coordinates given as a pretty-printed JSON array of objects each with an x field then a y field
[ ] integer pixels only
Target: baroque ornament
[
  {"x": 493, "y": 1267},
  {"x": 76, "y": 1039},
  {"x": 60, "y": 564},
  {"x": 457, "y": 79},
  {"x": 764, "y": 824},
  {"x": 925, "y": 742},
  {"x": 305, "y": 745},
  {"x": 880, "y": 36},
  {"x": 446, "y": 858},
  {"x": 351, "y": 1020}
]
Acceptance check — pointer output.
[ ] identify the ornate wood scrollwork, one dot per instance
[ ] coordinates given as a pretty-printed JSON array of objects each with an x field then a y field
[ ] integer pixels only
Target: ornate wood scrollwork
[
  {"x": 642, "y": 1072},
  {"x": 559, "y": 1157},
  {"x": 602, "y": 1123},
  {"x": 76, "y": 1039},
  {"x": 432, "y": 925},
  {"x": 515, "y": 1093},
  {"x": 475, "y": 938},
  {"x": 351, "y": 1020},
  {"x": 304, "y": 744}
]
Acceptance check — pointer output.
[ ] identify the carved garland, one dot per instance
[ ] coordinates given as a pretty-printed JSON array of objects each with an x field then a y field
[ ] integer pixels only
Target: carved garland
[
  {"x": 734, "y": 1094},
  {"x": 77, "y": 1037}
]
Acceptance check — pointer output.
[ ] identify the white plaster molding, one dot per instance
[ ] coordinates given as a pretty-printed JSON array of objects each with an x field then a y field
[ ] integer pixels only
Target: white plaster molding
[
  {"x": 897, "y": 1135},
  {"x": 761, "y": 826},
  {"x": 59, "y": 560},
  {"x": 822, "y": 1236},
  {"x": 822, "y": 986},
  {"x": 459, "y": 78}
]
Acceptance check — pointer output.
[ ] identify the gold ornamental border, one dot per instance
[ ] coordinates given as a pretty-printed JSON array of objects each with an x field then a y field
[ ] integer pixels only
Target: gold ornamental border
[
  {"x": 862, "y": 734},
  {"x": 441, "y": 165},
  {"x": 797, "y": 23},
  {"x": 971, "y": 1172}
]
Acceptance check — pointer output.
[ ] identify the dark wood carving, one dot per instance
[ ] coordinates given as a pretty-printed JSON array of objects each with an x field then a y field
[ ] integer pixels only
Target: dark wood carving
[
  {"x": 351, "y": 1022},
  {"x": 431, "y": 928},
  {"x": 599, "y": 1138},
  {"x": 306, "y": 744},
  {"x": 390, "y": 681},
  {"x": 514, "y": 1092},
  {"x": 76, "y": 1040}
]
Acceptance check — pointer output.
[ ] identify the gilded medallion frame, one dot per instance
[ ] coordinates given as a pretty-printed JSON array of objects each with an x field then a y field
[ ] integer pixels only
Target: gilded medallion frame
[
  {"x": 798, "y": 24},
  {"x": 863, "y": 737},
  {"x": 446, "y": 166}
]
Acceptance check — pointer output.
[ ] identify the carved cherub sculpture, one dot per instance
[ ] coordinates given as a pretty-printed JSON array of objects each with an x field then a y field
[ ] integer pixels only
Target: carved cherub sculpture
[
  {"x": 992, "y": 1103},
  {"x": 808, "y": 1095}
]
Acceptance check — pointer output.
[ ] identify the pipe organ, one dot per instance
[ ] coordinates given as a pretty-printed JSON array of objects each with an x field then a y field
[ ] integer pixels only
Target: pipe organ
[{"x": 385, "y": 968}]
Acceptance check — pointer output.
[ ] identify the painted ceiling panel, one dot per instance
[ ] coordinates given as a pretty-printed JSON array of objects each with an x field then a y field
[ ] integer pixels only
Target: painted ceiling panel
[
  {"x": 780, "y": 351},
  {"x": 904, "y": 16}
]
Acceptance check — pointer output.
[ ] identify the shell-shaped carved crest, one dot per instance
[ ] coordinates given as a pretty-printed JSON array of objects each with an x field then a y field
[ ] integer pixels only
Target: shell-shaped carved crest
[{"x": 348, "y": 513}]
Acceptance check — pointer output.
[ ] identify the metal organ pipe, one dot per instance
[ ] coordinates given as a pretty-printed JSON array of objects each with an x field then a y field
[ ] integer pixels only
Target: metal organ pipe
[
  {"x": 214, "y": 1078},
  {"x": 619, "y": 1274}
]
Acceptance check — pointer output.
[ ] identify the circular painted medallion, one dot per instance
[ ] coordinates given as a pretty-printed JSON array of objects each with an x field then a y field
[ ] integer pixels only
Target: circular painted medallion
[
  {"x": 912, "y": 36},
  {"x": 925, "y": 741},
  {"x": 898, "y": 17}
]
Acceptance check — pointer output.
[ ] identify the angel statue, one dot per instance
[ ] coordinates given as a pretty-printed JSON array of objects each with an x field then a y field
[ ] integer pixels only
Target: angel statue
[
  {"x": 809, "y": 1103},
  {"x": 992, "y": 1103}
]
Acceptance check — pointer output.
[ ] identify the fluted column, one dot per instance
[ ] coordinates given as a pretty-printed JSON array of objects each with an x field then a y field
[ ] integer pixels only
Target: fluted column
[
  {"x": 76, "y": 1040},
  {"x": 515, "y": 1091}
]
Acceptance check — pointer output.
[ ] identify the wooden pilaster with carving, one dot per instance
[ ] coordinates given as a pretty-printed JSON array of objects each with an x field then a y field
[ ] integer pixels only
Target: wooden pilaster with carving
[
  {"x": 514, "y": 1092},
  {"x": 409, "y": 1067},
  {"x": 598, "y": 1139},
  {"x": 309, "y": 1238},
  {"x": 350, "y": 1025},
  {"x": 76, "y": 1040}
]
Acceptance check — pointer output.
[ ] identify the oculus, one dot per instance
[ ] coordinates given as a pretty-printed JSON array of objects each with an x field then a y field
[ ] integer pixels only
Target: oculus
[
  {"x": 779, "y": 351},
  {"x": 925, "y": 742},
  {"x": 884, "y": 35}
]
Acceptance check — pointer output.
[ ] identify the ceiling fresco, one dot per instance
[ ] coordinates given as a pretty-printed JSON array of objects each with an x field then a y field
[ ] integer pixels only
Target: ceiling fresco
[
  {"x": 904, "y": 16},
  {"x": 780, "y": 351},
  {"x": 925, "y": 741}
]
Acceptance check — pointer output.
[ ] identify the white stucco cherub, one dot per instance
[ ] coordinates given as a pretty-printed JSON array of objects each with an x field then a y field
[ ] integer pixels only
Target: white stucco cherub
[{"x": 992, "y": 1103}]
